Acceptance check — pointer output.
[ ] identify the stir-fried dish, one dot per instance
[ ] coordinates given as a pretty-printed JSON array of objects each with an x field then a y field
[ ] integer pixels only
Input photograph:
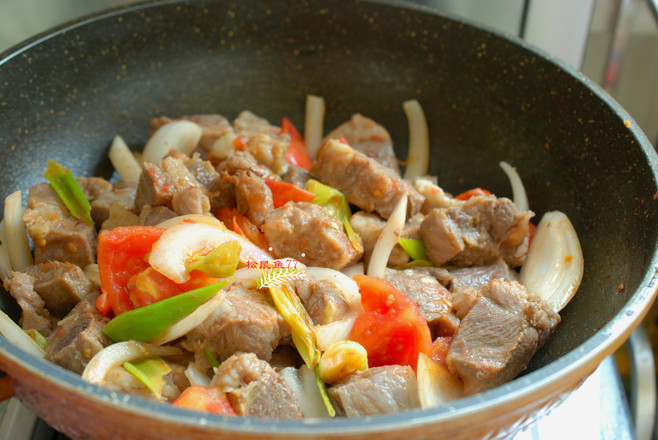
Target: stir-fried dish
[{"x": 242, "y": 269}]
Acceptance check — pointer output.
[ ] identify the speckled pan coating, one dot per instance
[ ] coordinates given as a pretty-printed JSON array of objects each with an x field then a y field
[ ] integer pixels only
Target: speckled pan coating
[{"x": 487, "y": 98}]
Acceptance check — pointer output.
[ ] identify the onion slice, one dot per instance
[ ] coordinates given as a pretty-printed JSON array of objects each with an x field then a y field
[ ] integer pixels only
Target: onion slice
[
  {"x": 313, "y": 124},
  {"x": 554, "y": 266},
  {"x": 387, "y": 239},
  {"x": 250, "y": 252},
  {"x": 5, "y": 262},
  {"x": 178, "y": 135},
  {"x": 124, "y": 161},
  {"x": 117, "y": 354},
  {"x": 518, "y": 190},
  {"x": 17, "y": 336},
  {"x": 18, "y": 244},
  {"x": 436, "y": 385},
  {"x": 196, "y": 376},
  {"x": 418, "y": 159},
  {"x": 328, "y": 334}
]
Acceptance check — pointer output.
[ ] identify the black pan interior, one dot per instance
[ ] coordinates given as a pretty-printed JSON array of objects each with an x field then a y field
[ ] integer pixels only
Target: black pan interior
[{"x": 487, "y": 98}]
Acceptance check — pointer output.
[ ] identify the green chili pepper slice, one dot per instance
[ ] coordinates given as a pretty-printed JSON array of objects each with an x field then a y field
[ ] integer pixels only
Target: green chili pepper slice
[
  {"x": 146, "y": 323},
  {"x": 63, "y": 182}
]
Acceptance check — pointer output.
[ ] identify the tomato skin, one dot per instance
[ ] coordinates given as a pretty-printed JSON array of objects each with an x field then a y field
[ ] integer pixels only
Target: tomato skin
[
  {"x": 121, "y": 255},
  {"x": 207, "y": 399},
  {"x": 150, "y": 286},
  {"x": 297, "y": 155},
  {"x": 473, "y": 193},
  {"x": 392, "y": 329},
  {"x": 283, "y": 192}
]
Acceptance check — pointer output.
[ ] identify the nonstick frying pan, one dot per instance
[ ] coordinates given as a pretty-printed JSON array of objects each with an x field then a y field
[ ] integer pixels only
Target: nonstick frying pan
[{"x": 488, "y": 97}]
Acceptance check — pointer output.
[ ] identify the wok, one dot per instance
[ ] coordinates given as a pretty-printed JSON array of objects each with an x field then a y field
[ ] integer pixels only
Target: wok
[{"x": 488, "y": 97}]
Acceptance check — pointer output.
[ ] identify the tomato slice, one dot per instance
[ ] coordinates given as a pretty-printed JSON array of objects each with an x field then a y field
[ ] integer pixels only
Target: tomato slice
[
  {"x": 392, "y": 329},
  {"x": 121, "y": 255},
  {"x": 283, "y": 192},
  {"x": 297, "y": 154},
  {"x": 150, "y": 286},
  {"x": 207, "y": 399},
  {"x": 473, "y": 193}
]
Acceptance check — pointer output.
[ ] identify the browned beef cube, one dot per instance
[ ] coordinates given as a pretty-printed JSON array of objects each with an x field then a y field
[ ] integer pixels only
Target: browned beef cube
[
  {"x": 365, "y": 135},
  {"x": 253, "y": 198},
  {"x": 121, "y": 194},
  {"x": 33, "y": 313},
  {"x": 242, "y": 160},
  {"x": 297, "y": 176},
  {"x": 255, "y": 389},
  {"x": 433, "y": 299},
  {"x": 326, "y": 303},
  {"x": 79, "y": 336},
  {"x": 60, "y": 285},
  {"x": 468, "y": 281},
  {"x": 204, "y": 172},
  {"x": 190, "y": 201},
  {"x": 56, "y": 234},
  {"x": 246, "y": 321},
  {"x": 477, "y": 233},
  {"x": 265, "y": 142},
  {"x": 379, "y": 390},
  {"x": 499, "y": 335},
  {"x": 154, "y": 188},
  {"x": 365, "y": 182},
  {"x": 212, "y": 127},
  {"x": 154, "y": 215},
  {"x": 308, "y": 233},
  {"x": 93, "y": 187}
]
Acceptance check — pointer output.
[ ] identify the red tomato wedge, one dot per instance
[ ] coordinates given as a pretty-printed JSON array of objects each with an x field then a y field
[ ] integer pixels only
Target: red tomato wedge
[
  {"x": 473, "y": 193},
  {"x": 207, "y": 399},
  {"x": 121, "y": 255},
  {"x": 283, "y": 192},
  {"x": 392, "y": 329},
  {"x": 297, "y": 154}
]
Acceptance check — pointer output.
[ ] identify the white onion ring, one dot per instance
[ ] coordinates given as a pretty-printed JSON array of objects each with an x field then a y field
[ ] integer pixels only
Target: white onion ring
[
  {"x": 418, "y": 158},
  {"x": 518, "y": 190},
  {"x": 387, "y": 239},
  {"x": 313, "y": 124},
  {"x": 178, "y": 135},
  {"x": 124, "y": 161}
]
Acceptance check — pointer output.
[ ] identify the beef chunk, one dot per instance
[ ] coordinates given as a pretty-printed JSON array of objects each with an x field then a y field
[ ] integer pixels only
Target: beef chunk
[
  {"x": 476, "y": 233},
  {"x": 242, "y": 160},
  {"x": 160, "y": 185},
  {"x": 433, "y": 299},
  {"x": 467, "y": 282},
  {"x": 378, "y": 390},
  {"x": 365, "y": 182},
  {"x": 56, "y": 234},
  {"x": 253, "y": 198},
  {"x": 365, "y": 135},
  {"x": 154, "y": 215},
  {"x": 369, "y": 226},
  {"x": 322, "y": 299},
  {"x": 255, "y": 389},
  {"x": 212, "y": 127},
  {"x": 204, "y": 172},
  {"x": 246, "y": 321},
  {"x": 499, "y": 335},
  {"x": 121, "y": 194},
  {"x": 33, "y": 313},
  {"x": 79, "y": 336},
  {"x": 308, "y": 233},
  {"x": 264, "y": 141},
  {"x": 297, "y": 176},
  {"x": 93, "y": 187},
  {"x": 60, "y": 285}
]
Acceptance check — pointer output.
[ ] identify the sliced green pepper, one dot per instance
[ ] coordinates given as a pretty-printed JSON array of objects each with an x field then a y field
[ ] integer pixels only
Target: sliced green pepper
[
  {"x": 336, "y": 204},
  {"x": 63, "y": 182},
  {"x": 414, "y": 248},
  {"x": 146, "y": 323}
]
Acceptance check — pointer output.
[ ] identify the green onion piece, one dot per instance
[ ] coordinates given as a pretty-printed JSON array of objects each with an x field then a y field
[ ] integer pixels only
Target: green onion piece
[
  {"x": 414, "y": 248},
  {"x": 336, "y": 204},
  {"x": 37, "y": 337},
  {"x": 323, "y": 393},
  {"x": 146, "y": 323},
  {"x": 220, "y": 263},
  {"x": 150, "y": 372},
  {"x": 63, "y": 182},
  {"x": 301, "y": 326},
  {"x": 212, "y": 360}
]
